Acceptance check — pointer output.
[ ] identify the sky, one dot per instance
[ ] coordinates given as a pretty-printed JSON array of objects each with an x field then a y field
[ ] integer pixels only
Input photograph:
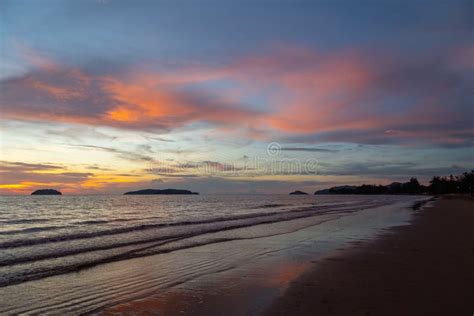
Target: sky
[{"x": 106, "y": 96}]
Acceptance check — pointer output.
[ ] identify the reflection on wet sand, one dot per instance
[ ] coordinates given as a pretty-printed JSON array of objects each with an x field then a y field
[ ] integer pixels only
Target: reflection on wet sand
[
  {"x": 238, "y": 277},
  {"x": 248, "y": 292}
]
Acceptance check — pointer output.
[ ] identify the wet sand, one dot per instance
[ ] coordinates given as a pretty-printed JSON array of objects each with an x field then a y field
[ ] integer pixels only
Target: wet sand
[
  {"x": 250, "y": 286},
  {"x": 426, "y": 268}
]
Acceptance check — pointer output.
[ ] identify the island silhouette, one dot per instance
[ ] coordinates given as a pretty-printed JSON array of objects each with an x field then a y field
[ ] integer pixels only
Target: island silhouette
[
  {"x": 46, "y": 192},
  {"x": 297, "y": 192}
]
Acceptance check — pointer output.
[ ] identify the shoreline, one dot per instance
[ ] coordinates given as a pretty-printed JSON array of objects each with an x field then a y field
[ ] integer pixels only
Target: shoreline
[
  {"x": 425, "y": 268},
  {"x": 251, "y": 288},
  {"x": 244, "y": 276}
]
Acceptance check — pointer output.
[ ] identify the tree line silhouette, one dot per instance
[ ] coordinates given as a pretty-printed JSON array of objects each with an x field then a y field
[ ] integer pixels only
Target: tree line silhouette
[{"x": 463, "y": 183}]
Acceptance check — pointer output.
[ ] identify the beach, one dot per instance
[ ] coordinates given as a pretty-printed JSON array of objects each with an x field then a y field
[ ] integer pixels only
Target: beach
[
  {"x": 236, "y": 158},
  {"x": 85, "y": 254},
  {"x": 329, "y": 255},
  {"x": 425, "y": 268}
]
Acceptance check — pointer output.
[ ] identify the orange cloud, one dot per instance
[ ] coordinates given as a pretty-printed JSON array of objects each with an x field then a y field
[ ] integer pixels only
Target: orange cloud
[
  {"x": 297, "y": 91},
  {"x": 138, "y": 101},
  {"x": 123, "y": 114},
  {"x": 141, "y": 100},
  {"x": 309, "y": 92}
]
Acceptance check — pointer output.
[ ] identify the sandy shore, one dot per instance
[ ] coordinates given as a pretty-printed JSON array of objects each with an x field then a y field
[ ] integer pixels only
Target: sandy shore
[{"x": 426, "y": 268}]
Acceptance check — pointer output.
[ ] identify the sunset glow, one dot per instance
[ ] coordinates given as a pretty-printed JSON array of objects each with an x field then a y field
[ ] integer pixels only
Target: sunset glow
[{"x": 109, "y": 104}]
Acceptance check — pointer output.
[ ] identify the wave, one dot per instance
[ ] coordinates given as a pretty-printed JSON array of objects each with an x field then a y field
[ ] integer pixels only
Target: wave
[
  {"x": 122, "y": 230},
  {"x": 36, "y": 263},
  {"x": 134, "y": 253},
  {"x": 32, "y": 230},
  {"x": 297, "y": 214},
  {"x": 26, "y": 221},
  {"x": 270, "y": 206}
]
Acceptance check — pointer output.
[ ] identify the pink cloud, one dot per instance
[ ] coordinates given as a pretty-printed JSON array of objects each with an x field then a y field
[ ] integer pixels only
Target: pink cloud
[
  {"x": 140, "y": 101},
  {"x": 306, "y": 93}
]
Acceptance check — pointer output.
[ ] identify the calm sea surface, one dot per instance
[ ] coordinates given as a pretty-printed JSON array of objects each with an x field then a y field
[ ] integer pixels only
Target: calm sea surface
[{"x": 45, "y": 236}]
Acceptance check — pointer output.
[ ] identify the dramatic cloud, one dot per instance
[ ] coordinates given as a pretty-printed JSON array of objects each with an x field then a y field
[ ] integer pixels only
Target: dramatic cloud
[
  {"x": 307, "y": 96},
  {"x": 58, "y": 93},
  {"x": 106, "y": 98},
  {"x": 352, "y": 97}
]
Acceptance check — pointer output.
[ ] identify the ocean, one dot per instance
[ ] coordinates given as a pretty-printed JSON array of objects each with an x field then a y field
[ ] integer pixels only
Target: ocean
[{"x": 53, "y": 247}]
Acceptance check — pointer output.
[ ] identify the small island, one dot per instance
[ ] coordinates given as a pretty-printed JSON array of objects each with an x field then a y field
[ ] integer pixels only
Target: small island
[
  {"x": 298, "y": 193},
  {"x": 165, "y": 191},
  {"x": 46, "y": 192}
]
